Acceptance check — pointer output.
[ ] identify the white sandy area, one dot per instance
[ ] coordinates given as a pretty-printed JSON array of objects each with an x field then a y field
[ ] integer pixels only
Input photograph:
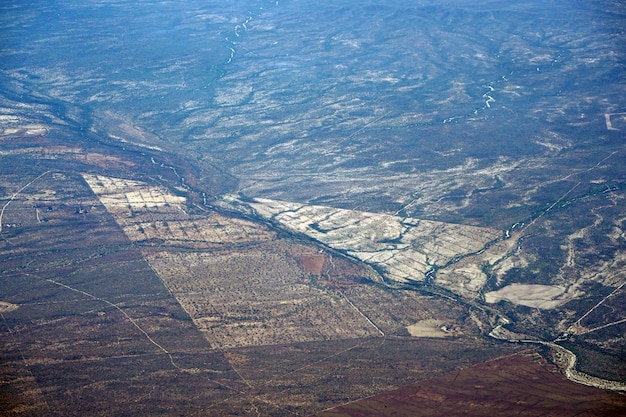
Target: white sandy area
[
  {"x": 531, "y": 295},
  {"x": 5, "y": 307},
  {"x": 427, "y": 328}
]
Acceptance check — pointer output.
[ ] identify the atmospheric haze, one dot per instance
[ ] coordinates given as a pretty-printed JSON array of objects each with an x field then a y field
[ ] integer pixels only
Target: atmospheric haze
[{"x": 285, "y": 208}]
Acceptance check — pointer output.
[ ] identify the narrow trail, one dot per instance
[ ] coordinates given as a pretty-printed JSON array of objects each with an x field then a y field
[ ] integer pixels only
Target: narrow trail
[
  {"x": 604, "y": 326},
  {"x": 252, "y": 398},
  {"x": 129, "y": 318},
  {"x": 560, "y": 199},
  {"x": 577, "y": 323},
  {"x": 362, "y": 314},
  {"x": 134, "y": 323}
]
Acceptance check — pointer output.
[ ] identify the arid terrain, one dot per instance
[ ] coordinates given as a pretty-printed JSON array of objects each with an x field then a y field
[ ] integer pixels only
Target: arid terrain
[
  {"x": 104, "y": 272},
  {"x": 286, "y": 208},
  {"x": 537, "y": 388},
  {"x": 101, "y": 273}
]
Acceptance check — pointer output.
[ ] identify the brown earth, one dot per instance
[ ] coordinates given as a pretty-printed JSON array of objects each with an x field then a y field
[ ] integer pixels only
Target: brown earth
[
  {"x": 313, "y": 264},
  {"x": 523, "y": 384}
]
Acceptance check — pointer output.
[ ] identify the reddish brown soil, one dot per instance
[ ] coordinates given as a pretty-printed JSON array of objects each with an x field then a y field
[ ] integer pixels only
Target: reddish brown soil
[
  {"x": 520, "y": 385},
  {"x": 313, "y": 264}
]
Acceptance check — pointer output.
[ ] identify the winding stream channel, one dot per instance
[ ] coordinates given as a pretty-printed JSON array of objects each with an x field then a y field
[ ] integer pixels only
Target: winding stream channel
[{"x": 566, "y": 361}]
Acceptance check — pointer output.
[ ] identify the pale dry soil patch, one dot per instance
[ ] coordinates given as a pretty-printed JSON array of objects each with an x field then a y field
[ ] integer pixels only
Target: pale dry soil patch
[
  {"x": 257, "y": 295},
  {"x": 532, "y": 295},
  {"x": 6, "y": 307},
  {"x": 429, "y": 328},
  {"x": 123, "y": 197}
]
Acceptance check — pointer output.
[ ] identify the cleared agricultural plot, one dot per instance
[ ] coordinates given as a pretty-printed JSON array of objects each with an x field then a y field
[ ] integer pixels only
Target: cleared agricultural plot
[
  {"x": 210, "y": 231},
  {"x": 259, "y": 297},
  {"x": 123, "y": 197},
  {"x": 302, "y": 327},
  {"x": 152, "y": 213},
  {"x": 243, "y": 285},
  {"x": 263, "y": 295},
  {"x": 270, "y": 291}
]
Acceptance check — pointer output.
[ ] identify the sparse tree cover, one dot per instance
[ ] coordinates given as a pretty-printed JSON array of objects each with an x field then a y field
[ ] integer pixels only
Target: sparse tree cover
[{"x": 278, "y": 208}]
